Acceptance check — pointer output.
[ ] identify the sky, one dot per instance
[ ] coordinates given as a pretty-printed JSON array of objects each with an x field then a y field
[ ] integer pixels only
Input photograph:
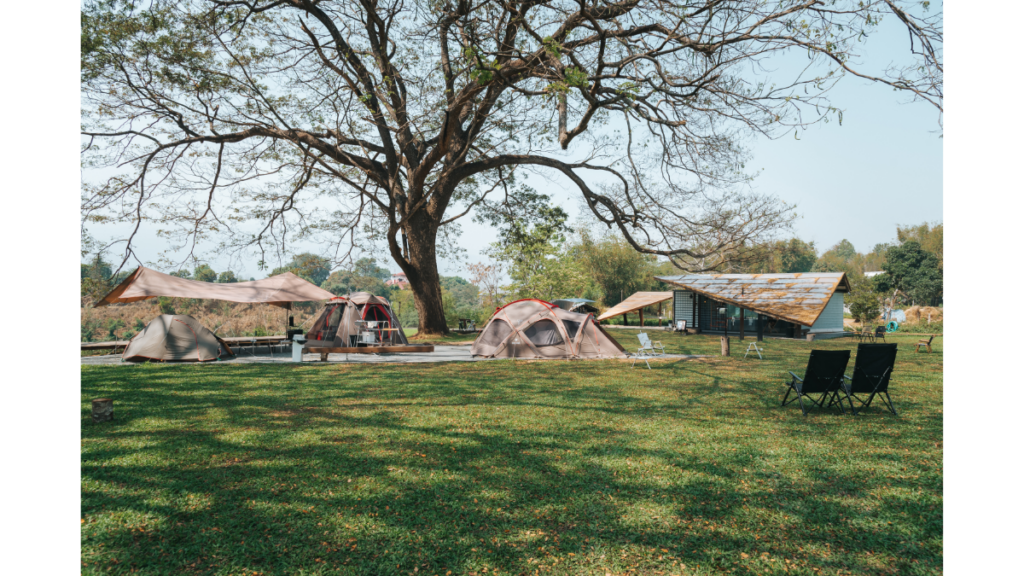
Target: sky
[{"x": 857, "y": 181}]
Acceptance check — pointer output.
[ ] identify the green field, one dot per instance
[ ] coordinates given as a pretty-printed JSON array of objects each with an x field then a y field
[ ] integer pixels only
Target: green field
[{"x": 510, "y": 467}]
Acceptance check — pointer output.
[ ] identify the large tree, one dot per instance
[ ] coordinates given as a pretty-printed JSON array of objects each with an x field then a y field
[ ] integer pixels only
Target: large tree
[{"x": 385, "y": 121}]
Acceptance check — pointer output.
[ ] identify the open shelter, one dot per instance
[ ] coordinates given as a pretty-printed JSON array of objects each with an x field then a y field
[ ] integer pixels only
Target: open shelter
[
  {"x": 537, "y": 329},
  {"x": 280, "y": 290},
  {"x": 636, "y": 303}
]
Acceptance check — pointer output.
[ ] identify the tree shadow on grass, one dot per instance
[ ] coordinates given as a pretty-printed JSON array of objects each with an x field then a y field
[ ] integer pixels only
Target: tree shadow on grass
[{"x": 329, "y": 474}]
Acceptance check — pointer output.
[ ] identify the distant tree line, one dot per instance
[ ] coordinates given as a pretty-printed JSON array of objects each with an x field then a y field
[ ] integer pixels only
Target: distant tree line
[{"x": 547, "y": 259}]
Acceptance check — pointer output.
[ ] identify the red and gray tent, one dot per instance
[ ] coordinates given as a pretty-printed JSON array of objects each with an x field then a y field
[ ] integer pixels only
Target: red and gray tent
[{"x": 538, "y": 329}]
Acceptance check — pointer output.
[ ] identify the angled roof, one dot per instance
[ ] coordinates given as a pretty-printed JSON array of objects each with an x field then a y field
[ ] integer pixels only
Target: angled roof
[
  {"x": 280, "y": 290},
  {"x": 797, "y": 298},
  {"x": 635, "y": 302}
]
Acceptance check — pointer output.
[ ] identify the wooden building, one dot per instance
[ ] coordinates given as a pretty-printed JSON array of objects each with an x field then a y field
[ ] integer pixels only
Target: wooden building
[{"x": 774, "y": 305}]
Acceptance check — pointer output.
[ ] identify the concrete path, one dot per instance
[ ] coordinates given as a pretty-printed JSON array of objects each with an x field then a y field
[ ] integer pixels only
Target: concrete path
[{"x": 440, "y": 354}]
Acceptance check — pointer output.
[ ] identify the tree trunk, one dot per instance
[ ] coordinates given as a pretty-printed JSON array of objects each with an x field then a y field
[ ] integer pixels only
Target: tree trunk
[{"x": 424, "y": 281}]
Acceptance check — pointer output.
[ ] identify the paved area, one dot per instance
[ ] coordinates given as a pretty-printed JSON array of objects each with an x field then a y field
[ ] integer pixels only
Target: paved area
[{"x": 440, "y": 354}]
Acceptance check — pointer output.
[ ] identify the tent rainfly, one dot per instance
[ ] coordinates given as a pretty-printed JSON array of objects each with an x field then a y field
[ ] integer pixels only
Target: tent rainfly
[
  {"x": 280, "y": 290},
  {"x": 538, "y": 329},
  {"x": 579, "y": 305},
  {"x": 637, "y": 301}
]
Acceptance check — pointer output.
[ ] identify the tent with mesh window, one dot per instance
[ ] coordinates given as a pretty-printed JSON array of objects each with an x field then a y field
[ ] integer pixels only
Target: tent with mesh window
[
  {"x": 347, "y": 320},
  {"x": 537, "y": 329}
]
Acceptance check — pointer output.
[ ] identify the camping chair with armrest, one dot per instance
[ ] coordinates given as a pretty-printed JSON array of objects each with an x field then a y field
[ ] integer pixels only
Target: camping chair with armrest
[
  {"x": 824, "y": 375},
  {"x": 871, "y": 373},
  {"x": 926, "y": 343},
  {"x": 656, "y": 348},
  {"x": 647, "y": 350},
  {"x": 879, "y": 333}
]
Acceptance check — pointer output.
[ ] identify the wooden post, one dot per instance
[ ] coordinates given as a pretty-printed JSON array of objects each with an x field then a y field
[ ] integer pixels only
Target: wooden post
[
  {"x": 102, "y": 409},
  {"x": 760, "y": 327},
  {"x": 725, "y": 345},
  {"x": 641, "y": 318},
  {"x": 741, "y": 324}
]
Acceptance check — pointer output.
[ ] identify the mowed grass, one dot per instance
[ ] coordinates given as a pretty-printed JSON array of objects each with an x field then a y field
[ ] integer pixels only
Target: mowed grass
[{"x": 510, "y": 467}]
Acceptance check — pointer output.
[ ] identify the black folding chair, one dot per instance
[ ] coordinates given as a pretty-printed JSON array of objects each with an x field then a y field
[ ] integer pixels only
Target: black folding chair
[
  {"x": 871, "y": 372},
  {"x": 880, "y": 333},
  {"x": 825, "y": 372}
]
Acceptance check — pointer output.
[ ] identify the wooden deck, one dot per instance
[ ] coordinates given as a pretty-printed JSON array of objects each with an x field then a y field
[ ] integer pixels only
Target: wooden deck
[{"x": 232, "y": 341}]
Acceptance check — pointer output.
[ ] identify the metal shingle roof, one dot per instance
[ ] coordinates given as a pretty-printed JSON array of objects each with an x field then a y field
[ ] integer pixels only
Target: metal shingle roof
[{"x": 798, "y": 297}]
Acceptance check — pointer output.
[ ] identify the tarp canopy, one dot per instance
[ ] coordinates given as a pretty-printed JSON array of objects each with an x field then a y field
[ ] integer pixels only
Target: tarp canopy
[
  {"x": 796, "y": 297},
  {"x": 280, "y": 290},
  {"x": 636, "y": 302}
]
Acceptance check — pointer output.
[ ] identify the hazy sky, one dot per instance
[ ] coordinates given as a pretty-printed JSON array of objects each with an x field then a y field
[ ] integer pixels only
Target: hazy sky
[{"x": 857, "y": 181}]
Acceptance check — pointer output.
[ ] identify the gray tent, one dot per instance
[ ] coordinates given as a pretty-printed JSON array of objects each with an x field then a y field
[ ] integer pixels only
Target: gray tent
[
  {"x": 339, "y": 324},
  {"x": 175, "y": 338}
]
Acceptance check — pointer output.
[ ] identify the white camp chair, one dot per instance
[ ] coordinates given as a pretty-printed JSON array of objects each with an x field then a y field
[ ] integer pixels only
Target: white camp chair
[
  {"x": 647, "y": 349},
  {"x": 753, "y": 347}
]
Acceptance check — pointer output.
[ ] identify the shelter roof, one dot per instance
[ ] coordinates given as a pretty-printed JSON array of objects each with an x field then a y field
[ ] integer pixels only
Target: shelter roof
[
  {"x": 797, "y": 297},
  {"x": 280, "y": 290},
  {"x": 635, "y": 302}
]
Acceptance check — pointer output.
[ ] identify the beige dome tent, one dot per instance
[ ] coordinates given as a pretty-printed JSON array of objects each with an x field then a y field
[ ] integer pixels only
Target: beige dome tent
[
  {"x": 175, "y": 338},
  {"x": 538, "y": 329},
  {"x": 339, "y": 324}
]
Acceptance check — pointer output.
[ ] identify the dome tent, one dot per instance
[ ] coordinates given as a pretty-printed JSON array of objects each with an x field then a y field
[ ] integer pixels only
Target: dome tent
[
  {"x": 175, "y": 338},
  {"x": 336, "y": 325},
  {"x": 537, "y": 329}
]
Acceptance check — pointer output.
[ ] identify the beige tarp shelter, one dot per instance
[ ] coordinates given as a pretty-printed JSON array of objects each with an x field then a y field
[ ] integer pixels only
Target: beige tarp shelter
[
  {"x": 538, "y": 329},
  {"x": 280, "y": 290},
  {"x": 637, "y": 301},
  {"x": 339, "y": 324},
  {"x": 175, "y": 338}
]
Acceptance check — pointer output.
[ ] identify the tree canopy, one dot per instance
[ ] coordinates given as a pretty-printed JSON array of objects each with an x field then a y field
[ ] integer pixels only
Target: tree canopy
[
  {"x": 261, "y": 121},
  {"x": 911, "y": 270}
]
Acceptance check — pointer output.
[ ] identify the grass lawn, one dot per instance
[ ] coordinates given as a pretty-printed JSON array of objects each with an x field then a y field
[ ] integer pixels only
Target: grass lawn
[{"x": 510, "y": 467}]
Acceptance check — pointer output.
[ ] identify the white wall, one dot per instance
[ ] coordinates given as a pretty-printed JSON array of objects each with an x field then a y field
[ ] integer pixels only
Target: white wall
[{"x": 831, "y": 319}]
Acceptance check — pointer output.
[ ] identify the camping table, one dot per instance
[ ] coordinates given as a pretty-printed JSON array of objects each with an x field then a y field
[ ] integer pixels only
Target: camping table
[{"x": 391, "y": 334}]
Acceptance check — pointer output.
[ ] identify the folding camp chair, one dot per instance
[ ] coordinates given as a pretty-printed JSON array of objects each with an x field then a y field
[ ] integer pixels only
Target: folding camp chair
[
  {"x": 753, "y": 347},
  {"x": 871, "y": 372},
  {"x": 825, "y": 371},
  {"x": 647, "y": 349},
  {"x": 926, "y": 343},
  {"x": 880, "y": 333},
  {"x": 655, "y": 348}
]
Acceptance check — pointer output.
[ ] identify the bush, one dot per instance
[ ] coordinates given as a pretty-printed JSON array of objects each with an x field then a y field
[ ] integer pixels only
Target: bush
[
  {"x": 920, "y": 328},
  {"x": 166, "y": 305}
]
